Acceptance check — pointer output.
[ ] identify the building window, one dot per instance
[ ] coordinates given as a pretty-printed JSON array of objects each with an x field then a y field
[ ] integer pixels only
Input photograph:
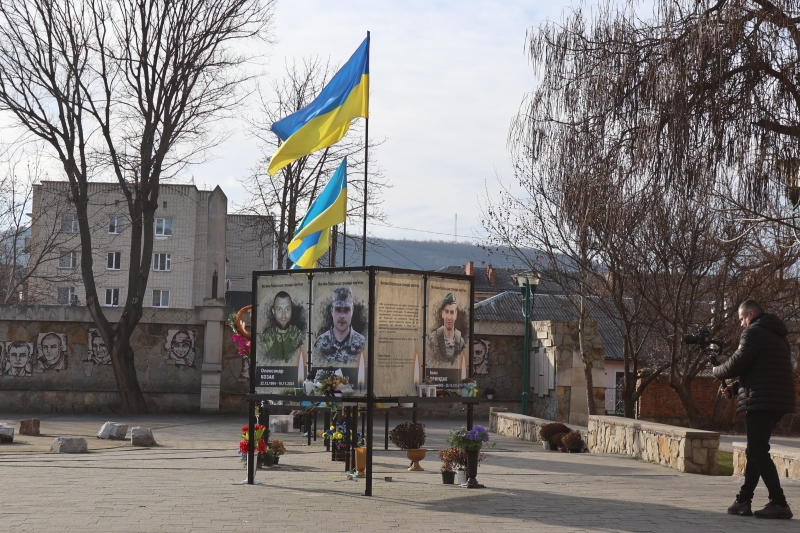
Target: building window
[
  {"x": 162, "y": 262},
  {"x": 69, "y": 224},
  {"x": 66, "y": 296},
  {"x": 68, "y": 260},
  {"x": 160, "y": 298},
  {"x": 163, "y": 227},
  {"x": 112, "y": 297},
  {"x": 113, "y": 260},
  {"x": 115, "y": 225}
]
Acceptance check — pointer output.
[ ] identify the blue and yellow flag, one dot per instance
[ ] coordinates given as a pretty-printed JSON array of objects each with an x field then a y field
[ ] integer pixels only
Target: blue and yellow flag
[
  {"x": 326, "y": 120},
  {"x": 313, "y": 238}
]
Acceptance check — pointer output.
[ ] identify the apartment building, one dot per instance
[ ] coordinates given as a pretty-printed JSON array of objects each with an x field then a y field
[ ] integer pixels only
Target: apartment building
[{"x": 194, "y": 237}]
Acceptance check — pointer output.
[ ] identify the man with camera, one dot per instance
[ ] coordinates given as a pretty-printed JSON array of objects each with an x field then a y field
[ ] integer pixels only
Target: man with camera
[{"x": 766, "y": 389}]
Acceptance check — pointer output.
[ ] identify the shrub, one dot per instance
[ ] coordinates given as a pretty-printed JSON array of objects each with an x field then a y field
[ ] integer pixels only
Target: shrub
[
  {"x": 556, "y": 442},
  {"x": 408, "y": 436},
  {"x": 572, "y": 441},
  {"x": 277, "y": 447},
  {"x": 548, "y": 431},
  {"x": 456, "y": 458},
  {"x": 449, "y": 458}
]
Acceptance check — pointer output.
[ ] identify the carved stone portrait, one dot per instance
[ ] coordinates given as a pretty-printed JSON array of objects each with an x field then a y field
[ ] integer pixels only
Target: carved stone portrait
[
  {"x": 51, "y": 351},
  {"x": 180, "y": 346},
  {"x": 18, "y": 358}
]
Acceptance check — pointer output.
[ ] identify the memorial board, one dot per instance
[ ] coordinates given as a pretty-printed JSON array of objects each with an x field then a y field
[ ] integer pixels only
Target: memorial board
[
  {"x": 340, "y": 325},
  {"x": 447, "y": 355},
  {"x": 398, "y": 336},
  {"x": 281, "y": 338}
]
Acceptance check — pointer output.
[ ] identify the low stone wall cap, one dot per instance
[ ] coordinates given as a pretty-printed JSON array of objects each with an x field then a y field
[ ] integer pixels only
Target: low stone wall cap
[{"x": 654, "y": 427}]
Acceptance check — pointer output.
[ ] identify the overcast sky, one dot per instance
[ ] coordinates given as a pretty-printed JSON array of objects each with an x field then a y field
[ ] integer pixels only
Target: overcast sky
[{"x": 446, "y": 78}]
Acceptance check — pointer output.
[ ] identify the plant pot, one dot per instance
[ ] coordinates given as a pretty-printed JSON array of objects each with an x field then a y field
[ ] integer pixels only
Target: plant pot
[
  {"x": 275, "y": 459},
  {"x": 361, "y": 462},
  {"x": 489, "y": 396},
  {"x": 464, "y": 392},
  {"x": 472, "y": 470},
  {"x": 562, "y": 449},
  {"x": 448, "y": 478},
  {"x": 338, "y": 454},
  {"x": 415, "y": 456},
  {"x": 462, "y": 476},
  {"x": 546, "y": 445}
]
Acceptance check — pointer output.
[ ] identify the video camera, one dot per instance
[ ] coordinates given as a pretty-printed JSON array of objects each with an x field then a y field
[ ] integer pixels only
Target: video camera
[{"x": 704, "y": 341}]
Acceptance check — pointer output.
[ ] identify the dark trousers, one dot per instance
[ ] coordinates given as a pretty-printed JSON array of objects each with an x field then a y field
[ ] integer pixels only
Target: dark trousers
[{"x": 759, "y": 425}]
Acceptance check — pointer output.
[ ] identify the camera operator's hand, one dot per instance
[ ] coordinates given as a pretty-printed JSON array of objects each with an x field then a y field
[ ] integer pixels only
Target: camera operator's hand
[{"x": 728, "y": 391}]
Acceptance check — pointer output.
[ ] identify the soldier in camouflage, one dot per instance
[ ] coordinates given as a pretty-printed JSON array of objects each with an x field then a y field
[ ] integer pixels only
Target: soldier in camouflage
[
  {"x": 446, "y": 343},
  {"x": 281, "y": 341},
  {"x": 341, "y": 343}
]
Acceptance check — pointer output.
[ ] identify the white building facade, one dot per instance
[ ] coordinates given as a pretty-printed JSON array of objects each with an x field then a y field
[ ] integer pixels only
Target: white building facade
[{"x": 194, "y": 237}]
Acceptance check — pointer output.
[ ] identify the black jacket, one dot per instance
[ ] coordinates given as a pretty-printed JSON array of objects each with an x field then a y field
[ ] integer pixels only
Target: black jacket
[{"x": 763, "y": 364}]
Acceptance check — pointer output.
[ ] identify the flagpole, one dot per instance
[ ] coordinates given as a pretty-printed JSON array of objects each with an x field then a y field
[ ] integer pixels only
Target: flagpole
[{"x": 366, "y": 163}]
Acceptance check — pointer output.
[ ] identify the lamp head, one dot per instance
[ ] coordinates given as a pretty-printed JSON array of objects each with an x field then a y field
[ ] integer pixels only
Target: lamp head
[{"x": 531, "y": 277}]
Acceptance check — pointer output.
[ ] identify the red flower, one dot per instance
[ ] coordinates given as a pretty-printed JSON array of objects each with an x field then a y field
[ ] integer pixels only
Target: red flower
[
  {"x": 245, "y": 429},
  {"x": 243, "y": 447},
  {"x": 262, "y": 446},
  {"x": 259, "y": 427}
]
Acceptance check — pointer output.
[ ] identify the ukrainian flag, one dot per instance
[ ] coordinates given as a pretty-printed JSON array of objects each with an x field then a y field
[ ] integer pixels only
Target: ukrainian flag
[
  {"x": 313, "y": 237},
  {"x": 326, "y": 120}
]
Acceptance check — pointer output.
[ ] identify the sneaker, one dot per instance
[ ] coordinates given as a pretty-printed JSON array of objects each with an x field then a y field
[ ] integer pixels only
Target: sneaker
[
  {"x": 741, "y": 507},
  {"x": 774, "y": 510}
]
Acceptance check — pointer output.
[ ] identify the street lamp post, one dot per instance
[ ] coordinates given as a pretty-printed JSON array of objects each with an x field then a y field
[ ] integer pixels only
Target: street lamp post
[{"x": 528, "y": 283}]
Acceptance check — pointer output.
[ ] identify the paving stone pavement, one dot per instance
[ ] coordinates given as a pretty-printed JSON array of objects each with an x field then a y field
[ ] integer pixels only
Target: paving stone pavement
[{"x": 191, "y": 482}]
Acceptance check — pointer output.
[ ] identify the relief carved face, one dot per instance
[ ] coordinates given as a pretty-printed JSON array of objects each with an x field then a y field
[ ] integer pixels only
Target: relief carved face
[
  {"x": 51, "y": 348},
  {"x": 18, "y": 357},
  {"x": 181, "y": 345}
]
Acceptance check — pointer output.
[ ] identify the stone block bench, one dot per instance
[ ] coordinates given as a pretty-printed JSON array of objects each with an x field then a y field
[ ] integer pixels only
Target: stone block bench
[
  {"x": 687, "y": 450},
  {"x": 524, "y": 427},
  {"x": 786, "y": 459}
]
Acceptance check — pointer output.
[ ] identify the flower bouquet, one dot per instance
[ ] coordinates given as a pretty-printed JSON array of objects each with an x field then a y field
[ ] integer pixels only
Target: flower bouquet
[
  {"x": 469, "y": 388},
  {"x": 337, "y": 434},
  {"x": 263, "y": 453},
  {"x": 327, "y": 383}
]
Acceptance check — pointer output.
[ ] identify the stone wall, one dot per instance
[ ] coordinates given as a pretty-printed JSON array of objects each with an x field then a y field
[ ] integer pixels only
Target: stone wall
[
  {"x": 786, "y": 459},
  {"x": 168, "y": 345},
  {"x": 524, "y": 427},
  {"x": 686, "y": 450}
]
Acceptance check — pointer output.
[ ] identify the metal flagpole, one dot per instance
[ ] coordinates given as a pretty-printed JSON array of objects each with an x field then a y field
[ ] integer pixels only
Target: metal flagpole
[{"x": 366, "y": 162}]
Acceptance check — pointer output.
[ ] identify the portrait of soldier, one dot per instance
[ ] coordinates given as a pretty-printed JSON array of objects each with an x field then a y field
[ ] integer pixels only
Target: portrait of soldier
[
  {"x": 181, "y": 347},
  {"x": 52, "y": 351},
  {"x": 480, "y": 356},
  {"x": 98, "y": 351},
  {"x": 19, "y": 359},
  {"x": 341, "y": 343},
  {"x": 446, "y": 343},
  {"x": 281, "y": 340}
]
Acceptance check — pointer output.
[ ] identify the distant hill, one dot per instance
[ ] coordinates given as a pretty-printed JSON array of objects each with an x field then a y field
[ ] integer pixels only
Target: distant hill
[{"x": 425, "y": 255}]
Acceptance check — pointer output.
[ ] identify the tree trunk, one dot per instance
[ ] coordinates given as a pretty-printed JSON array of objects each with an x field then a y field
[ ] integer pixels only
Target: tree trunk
[
  {"x": 685, "y": 395},
  {"x": 130, "y": 394}
]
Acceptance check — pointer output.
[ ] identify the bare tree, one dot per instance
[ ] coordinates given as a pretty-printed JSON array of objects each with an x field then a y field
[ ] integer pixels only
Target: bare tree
[
  {"x": 289, "y": 193},
  {"x": 20, "y": 256},
  {"x": 130, "y": 88}
]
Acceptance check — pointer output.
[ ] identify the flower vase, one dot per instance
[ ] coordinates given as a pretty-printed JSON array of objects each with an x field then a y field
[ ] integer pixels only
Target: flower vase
[
  {"x": 338, "y": 454},
  {"x": 361, "y": 462},
  {"x": 415, "y": 456},
  {"x": 462, "y": 476},
  {"x": 472, "y": 470}
]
